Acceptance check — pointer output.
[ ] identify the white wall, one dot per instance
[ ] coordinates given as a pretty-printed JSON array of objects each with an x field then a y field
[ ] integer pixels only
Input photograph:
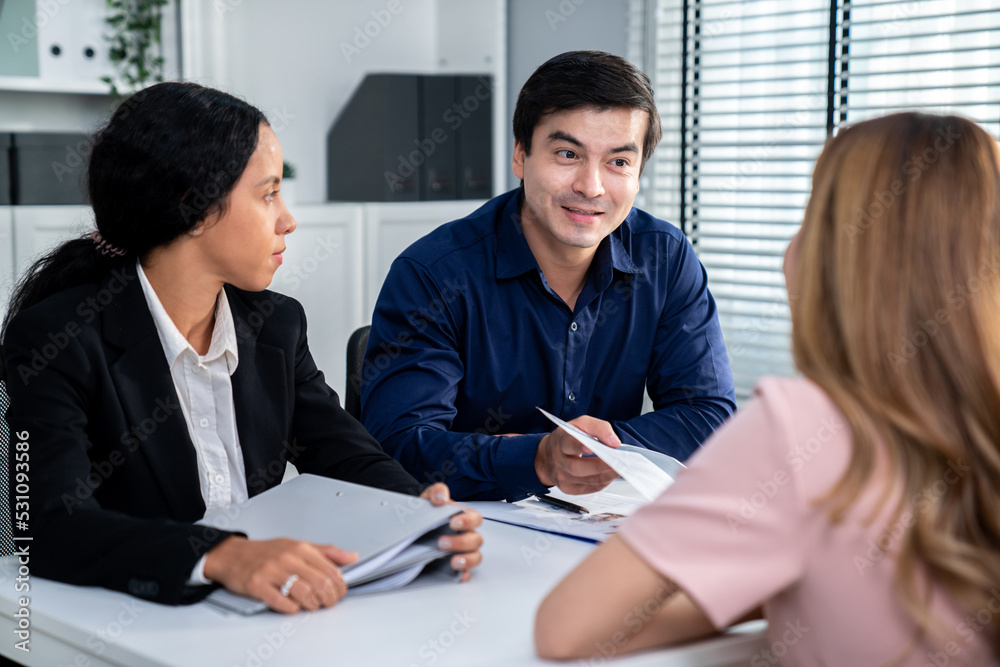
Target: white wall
[
  {"x": 300, "y": 61},
  {"x": 540, "y": 29}
]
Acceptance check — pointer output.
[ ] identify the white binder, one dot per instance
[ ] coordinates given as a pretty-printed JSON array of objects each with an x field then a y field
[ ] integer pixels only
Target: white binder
[{"x": 393, "y": 533}]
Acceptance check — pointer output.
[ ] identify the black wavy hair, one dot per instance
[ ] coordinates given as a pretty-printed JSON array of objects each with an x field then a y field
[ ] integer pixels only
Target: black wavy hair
[
  {"x": 167, "y": 159},
  {"x": 585, "y": 78}
]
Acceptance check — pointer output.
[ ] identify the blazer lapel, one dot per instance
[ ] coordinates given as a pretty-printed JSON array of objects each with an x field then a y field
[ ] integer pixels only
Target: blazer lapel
[
  {"x": 260, "y": 393},
  {"x": 148, "y": 397}
]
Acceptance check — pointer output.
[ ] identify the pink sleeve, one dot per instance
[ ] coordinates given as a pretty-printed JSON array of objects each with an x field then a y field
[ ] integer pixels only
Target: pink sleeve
[{"x": 728, "y": 530}]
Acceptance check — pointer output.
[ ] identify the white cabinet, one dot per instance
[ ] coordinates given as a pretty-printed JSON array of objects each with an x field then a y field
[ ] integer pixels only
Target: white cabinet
[
  {"x": 38, "y": 229},
  {"x": 391, "y": 227},
  {"x": 323, "y": 269}
]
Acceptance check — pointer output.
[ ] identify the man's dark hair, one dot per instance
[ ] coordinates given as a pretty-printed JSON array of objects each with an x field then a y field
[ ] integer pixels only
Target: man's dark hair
[{"x": 585, "y": 79}]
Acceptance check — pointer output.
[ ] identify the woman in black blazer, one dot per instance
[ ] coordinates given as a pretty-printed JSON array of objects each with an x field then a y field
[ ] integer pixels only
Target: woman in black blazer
[{"x": 152, "y": 375}]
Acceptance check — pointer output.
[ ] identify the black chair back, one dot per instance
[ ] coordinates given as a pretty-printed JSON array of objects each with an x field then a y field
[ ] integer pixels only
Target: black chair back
[{"x": 356, "y": 346}]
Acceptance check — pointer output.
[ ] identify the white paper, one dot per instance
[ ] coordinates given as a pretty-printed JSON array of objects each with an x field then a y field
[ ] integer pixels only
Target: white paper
[
  {"x": 647, "y": 478},
  {"x": 608, "y": 500}
]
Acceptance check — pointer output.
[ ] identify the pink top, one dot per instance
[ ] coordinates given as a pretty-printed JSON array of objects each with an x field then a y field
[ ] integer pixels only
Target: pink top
[{"x": 738, "y": 529}]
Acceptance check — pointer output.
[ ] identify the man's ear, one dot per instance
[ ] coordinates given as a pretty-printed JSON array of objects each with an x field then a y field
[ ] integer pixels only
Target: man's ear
[{"x": 517, "y": 161}]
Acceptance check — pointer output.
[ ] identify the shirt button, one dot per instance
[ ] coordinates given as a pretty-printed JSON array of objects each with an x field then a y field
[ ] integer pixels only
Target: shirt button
[
  {"x": 204, "y": 422},
  {"x": 573, "y": 327},
  {"x": 219, "y": 479},
  {"x": 571, "y": 396}
]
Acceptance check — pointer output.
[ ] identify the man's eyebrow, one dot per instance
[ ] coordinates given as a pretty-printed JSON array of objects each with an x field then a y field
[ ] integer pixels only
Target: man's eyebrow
[
  {"x": 627, "y": 148},
  {"x": 274, "y": 180},
  {"x": 559, "y": 135}
]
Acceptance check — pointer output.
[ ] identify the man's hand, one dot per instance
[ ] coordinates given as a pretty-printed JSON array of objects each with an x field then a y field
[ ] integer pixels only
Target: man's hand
[
  {"x": 259, "y": 568},
  {"x": 560, "y": 460}
]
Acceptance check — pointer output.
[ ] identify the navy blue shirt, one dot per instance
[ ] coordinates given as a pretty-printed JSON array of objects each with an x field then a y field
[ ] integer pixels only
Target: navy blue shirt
[{"x": 468, "y": 338}]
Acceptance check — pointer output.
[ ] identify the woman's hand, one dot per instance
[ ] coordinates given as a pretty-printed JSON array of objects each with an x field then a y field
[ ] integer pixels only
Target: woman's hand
[
  {"x": 260, "y": 569},
  {"x": 465, "y": 545}
]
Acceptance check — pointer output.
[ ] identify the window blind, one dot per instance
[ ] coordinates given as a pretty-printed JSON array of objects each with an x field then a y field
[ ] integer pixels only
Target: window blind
[{"x": 749, "y": 91}]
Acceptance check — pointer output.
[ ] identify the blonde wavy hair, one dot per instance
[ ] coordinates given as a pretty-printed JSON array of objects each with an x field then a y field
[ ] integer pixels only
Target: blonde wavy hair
[{"x": 896, "y": 315}]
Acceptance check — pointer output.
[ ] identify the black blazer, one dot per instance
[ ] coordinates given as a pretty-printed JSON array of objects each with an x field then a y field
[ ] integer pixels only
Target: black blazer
[{"x": 113, "y": 473}]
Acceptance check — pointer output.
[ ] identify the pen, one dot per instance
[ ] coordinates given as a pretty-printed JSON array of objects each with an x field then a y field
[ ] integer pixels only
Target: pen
[{"x": 562, "y": 504}]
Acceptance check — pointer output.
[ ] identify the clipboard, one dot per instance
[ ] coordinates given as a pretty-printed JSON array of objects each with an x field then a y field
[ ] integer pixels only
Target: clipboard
[{"x": 392, "y": 532}]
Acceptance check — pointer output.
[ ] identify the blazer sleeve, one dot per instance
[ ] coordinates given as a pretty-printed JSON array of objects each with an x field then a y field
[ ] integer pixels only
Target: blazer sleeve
[
  {"x": 327, "y": 440},
  {"x": 73, "y": 538}
]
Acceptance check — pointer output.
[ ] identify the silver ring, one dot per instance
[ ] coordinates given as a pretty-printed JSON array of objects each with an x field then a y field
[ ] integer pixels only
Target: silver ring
[{"x": 286, "y": 587}]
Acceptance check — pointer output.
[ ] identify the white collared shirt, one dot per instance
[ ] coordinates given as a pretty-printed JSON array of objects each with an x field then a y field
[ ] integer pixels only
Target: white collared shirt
[{"x": 205, "y": 392}]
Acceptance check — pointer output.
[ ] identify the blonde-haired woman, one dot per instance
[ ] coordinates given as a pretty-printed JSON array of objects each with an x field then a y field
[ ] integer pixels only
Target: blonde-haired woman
[{"x": 860, "y": 504}]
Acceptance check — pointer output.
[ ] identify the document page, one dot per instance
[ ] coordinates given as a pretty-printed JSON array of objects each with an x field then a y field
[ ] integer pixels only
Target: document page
[{"x": 648, "y": 479}]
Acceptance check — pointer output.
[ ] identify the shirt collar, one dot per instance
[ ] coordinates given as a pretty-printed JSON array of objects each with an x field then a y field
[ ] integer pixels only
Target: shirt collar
[
  {"x": 175, "y": 344},
  {"x": 514, "y": 256}
]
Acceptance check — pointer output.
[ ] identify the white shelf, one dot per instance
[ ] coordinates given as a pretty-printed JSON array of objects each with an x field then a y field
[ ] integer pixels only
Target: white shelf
[{"x": 32, "y": 84}]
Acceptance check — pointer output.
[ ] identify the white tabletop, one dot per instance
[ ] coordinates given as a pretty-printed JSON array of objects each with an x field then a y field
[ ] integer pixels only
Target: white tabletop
[{"x": 487, "y": 621}]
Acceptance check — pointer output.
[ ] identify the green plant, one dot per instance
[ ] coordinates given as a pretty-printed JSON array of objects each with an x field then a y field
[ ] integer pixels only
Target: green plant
[
  {"x": 287, "y": 170},
  {"x": 135, "y": 44}
]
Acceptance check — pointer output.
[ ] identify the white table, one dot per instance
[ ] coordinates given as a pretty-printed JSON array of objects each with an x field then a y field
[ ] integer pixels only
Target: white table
[{"x": 487, "y": 621}]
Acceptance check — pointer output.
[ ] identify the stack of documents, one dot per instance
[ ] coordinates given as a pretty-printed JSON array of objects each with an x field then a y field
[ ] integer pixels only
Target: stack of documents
[{"x": 395, "y": 535}]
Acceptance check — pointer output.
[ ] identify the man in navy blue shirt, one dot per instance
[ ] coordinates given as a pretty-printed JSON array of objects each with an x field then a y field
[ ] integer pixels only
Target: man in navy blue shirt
[{"x": 559, "y": 295}]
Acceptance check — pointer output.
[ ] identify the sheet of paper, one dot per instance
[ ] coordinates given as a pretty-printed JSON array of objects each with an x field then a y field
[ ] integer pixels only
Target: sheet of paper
[
  {"x": 647, "y": 478},
  {"x": 612, "y": 499}
]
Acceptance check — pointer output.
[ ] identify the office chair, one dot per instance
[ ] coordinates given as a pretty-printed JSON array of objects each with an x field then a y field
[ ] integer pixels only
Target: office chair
[{"x": 356, "y": 346}]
